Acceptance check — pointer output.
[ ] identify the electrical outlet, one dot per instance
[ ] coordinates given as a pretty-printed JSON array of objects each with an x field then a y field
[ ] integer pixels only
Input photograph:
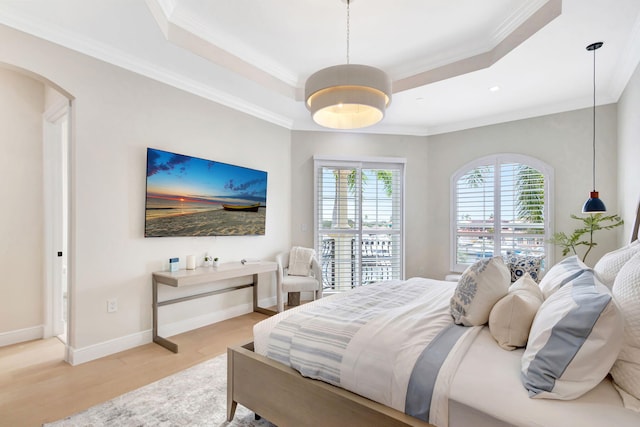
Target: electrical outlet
[{"x": 112, "y": 305}]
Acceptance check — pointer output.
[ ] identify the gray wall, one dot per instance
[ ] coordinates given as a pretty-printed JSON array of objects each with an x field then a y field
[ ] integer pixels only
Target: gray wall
[
  {"x": 564, "y": 141},
  {"x": 116, "y": 114},
  {"x": 304, "y": 145}
]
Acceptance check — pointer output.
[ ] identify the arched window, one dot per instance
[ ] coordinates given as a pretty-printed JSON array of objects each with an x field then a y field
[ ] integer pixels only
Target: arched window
[{"x": 500, "y": 206}]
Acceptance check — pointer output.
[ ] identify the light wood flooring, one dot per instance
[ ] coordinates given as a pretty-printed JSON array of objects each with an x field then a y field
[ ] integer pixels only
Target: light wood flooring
[{"x": 37, "y": 386}]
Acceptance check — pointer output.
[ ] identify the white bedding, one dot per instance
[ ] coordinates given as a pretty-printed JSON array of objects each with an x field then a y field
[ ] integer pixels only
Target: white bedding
[
  {"x": 488, "y": 381},
  {"x": 378, "y": 361},
  {"x": 477, "y": 378}
]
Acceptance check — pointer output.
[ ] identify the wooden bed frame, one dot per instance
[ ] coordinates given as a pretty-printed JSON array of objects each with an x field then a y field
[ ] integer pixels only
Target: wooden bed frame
[{"x": 286, "y": 398}]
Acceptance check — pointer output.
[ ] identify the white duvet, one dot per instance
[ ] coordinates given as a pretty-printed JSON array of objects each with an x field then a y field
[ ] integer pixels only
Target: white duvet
[
  {"x": 478, "y": 378},
  {"x": 378, "y": 359},
  {"x": 488, "y": 381}
]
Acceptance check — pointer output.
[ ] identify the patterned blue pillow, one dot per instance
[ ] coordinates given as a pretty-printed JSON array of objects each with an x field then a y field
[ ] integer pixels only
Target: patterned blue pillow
[
  {"x": 482, "y": 284},
  {"x": 521, "y": 264}
]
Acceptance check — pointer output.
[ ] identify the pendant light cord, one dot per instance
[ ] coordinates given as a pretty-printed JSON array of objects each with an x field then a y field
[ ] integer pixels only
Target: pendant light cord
[
  {"x": 594, "y": 119},
  {"x": 348, "y": 29}
]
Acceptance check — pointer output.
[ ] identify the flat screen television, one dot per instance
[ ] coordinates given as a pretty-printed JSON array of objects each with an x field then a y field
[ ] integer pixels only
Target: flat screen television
[{"x": 190, "y": 196}]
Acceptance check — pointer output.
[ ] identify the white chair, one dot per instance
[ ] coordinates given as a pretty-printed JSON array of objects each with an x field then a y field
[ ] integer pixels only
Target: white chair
[{"x": 293, "y": 285}]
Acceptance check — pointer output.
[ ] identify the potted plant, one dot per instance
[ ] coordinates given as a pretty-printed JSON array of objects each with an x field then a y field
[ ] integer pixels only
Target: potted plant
[
  {"x": 208, "y": 260},
  {"x": 590, "y": 224},
  {"x": 215, "y": 262}
]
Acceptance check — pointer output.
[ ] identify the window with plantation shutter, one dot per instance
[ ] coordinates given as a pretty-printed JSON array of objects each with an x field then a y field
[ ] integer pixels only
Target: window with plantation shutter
[
  {"x": 358, "y": 224},
  {"x": 500, "y": 207}
]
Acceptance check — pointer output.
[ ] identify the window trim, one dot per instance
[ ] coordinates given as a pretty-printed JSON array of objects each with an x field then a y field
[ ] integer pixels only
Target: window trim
[
  {"x": 497, "y": 159},
  {"x": 320, "y": 161}
]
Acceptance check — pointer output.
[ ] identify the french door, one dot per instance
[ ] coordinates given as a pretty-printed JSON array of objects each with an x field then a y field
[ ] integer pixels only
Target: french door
[{"x": 359, "y": 221}]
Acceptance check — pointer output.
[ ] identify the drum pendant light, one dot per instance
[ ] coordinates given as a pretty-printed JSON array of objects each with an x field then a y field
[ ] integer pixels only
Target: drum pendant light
[
  {"x": 594, "y": 204},
  {"x": 348, "y": 96}
]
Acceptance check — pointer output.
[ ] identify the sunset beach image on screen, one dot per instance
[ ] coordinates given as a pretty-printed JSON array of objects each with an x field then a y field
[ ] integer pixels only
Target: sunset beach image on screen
[{"x": 190, "y": 196}]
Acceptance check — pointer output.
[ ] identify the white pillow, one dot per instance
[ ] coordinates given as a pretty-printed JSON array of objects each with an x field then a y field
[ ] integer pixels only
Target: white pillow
[
  {"x": 574, "y": 340},
  {"x": 561, "y": 273},
  {"x": 511, "y": 317},
  {"x": 626, "y": 291},
  {"x": 610, "y": 264},
  {"x": 480, "y": 287}
]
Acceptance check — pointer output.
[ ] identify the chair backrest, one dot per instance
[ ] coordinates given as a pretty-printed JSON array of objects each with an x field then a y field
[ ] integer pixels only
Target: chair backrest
[{"x": 282, "y": 259}]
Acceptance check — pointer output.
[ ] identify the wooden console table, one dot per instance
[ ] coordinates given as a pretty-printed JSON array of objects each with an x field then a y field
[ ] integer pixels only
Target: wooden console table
[{"x": 182, "y": 278}]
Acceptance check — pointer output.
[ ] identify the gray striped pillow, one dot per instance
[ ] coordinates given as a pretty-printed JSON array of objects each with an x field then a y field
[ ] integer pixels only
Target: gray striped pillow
[{"x": 574, "y": 340}]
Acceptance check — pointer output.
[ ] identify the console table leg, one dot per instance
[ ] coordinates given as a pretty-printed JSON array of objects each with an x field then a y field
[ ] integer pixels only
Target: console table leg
[
  {"x": 154, "y": 305},
  {"x": 255, "y": 292},
  {"x": 169, "y": 345}
]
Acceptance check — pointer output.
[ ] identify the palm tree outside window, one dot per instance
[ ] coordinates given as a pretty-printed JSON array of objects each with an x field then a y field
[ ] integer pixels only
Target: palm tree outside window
[
  {"x": 359, "y": 221},
  {"x": 501, "y": 206}
]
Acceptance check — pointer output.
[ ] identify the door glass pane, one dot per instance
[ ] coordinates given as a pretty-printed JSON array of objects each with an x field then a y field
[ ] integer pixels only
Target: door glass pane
[
  {"x": 359, "y": 228},
  {"x": 338, "y": 198}
]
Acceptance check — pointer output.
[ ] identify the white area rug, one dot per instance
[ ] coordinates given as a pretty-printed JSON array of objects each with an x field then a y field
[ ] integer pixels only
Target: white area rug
[{"x": 194, "y": 397}]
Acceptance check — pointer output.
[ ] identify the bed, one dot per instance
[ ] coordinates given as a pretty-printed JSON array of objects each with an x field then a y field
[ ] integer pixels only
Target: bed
[{"x": 476, "y": 382}]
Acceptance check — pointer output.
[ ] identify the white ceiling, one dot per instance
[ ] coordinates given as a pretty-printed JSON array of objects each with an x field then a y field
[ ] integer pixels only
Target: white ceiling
[{"x": 442, "y": 55}]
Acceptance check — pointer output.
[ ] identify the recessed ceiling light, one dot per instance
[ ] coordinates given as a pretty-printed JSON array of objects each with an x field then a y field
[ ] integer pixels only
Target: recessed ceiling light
[{"x": 494, "y": 88}]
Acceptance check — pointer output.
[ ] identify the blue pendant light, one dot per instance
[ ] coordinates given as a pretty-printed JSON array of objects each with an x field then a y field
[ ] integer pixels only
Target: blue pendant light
[{"x": 594, "y": 204}]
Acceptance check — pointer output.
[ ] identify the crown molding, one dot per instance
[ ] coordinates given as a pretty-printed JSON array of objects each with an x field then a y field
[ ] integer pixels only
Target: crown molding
[
  {"x": 161, "y": 10},
  {"x": 184, "y": 28},
  {"x": 108, "y": 54},
  {"x": 536, "y": 21},
  {"x": 523, "y": 114},
  {"x": 519, "y": 17},
  {"x": 191, "y": 23}
]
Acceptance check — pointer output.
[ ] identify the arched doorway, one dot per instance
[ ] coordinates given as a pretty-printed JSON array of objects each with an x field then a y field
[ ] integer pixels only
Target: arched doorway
[{"x": 35, "y": 120}]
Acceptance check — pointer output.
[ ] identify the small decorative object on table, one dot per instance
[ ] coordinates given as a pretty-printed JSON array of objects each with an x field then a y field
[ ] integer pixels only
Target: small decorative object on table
[
  {"x": 216, "y": 263},
  {"x": 208, "y": 259},
  {"x": 191, "y": 262},
  {"x": 173, "y": 264}
]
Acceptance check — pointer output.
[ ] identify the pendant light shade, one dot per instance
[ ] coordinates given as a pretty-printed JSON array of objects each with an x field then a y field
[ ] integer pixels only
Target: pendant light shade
[
  {"x": 594, "y": 204},
  {"x": 348, "y": 96}
]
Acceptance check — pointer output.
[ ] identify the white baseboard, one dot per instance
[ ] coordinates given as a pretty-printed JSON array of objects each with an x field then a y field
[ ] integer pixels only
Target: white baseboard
[
  {"x": 21, "y": 335},
  {"x": 191, "y": 323},
  {"x": 76, "y": 356}
]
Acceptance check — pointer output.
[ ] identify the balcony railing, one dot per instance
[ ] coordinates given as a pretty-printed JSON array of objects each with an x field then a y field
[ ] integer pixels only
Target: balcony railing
[{"x": 376, "y": 259}]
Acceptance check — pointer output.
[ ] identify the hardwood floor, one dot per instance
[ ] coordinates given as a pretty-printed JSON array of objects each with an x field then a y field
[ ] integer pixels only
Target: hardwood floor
[{"x": 36, "y": 386}]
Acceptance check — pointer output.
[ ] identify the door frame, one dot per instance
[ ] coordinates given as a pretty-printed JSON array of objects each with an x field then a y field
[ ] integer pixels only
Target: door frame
[{"x": 56, "y": 145}]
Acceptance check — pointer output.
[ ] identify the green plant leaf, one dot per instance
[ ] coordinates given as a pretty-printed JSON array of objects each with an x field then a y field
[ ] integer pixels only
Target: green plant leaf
[{"x": 590, "y": 224}]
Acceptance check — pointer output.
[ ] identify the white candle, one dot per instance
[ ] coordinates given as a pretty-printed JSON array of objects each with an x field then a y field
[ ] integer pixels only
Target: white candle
[{"x": 191, "y": 262}]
